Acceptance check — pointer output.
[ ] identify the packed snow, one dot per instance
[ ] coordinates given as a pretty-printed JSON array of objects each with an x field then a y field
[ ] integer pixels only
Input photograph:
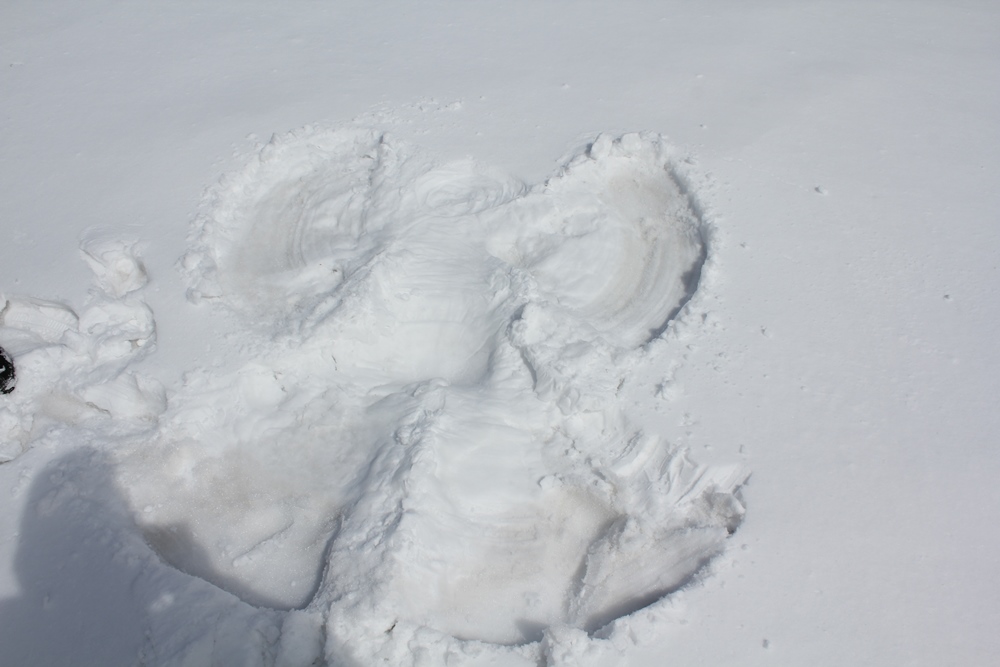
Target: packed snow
[
  {"x": 535, "y": 334},
  {"x": 422, "y": 432}
]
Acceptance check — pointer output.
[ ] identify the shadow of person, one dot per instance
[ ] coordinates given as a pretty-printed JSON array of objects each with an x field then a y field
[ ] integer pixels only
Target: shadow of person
[
  {"x": 75, "y": 606},
  {"x": 92, "y": 591}
]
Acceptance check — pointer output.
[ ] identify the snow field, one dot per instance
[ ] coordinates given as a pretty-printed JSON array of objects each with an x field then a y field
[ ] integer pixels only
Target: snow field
[{"x": 839, "y": 341}]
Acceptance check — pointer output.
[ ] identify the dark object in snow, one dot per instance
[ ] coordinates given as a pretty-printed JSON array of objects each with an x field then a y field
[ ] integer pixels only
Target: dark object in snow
[{"x": 7, "y": 374}]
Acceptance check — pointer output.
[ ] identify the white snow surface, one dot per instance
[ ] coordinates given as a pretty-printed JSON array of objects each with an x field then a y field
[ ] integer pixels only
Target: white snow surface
[{"x": 469, "y": 363}]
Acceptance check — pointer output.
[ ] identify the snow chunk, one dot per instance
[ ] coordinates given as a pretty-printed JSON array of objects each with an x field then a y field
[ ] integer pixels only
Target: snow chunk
[{"x": 117, "y": 268}]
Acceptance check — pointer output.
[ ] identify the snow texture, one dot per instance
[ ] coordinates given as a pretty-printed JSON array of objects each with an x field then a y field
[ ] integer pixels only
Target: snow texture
[
  {"x": 377, "y": 379},
  {"x": 423, "y": 446}
]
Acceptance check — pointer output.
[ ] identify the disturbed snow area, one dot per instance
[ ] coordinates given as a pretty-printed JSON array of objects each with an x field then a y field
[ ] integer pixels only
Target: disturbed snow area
[
  {"x": 180, "y": 484},
  {"x": 420, "y": 443}
]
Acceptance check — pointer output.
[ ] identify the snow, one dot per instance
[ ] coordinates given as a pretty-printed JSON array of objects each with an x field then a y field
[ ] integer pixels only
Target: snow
[{"x": 450, "y": 334}]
